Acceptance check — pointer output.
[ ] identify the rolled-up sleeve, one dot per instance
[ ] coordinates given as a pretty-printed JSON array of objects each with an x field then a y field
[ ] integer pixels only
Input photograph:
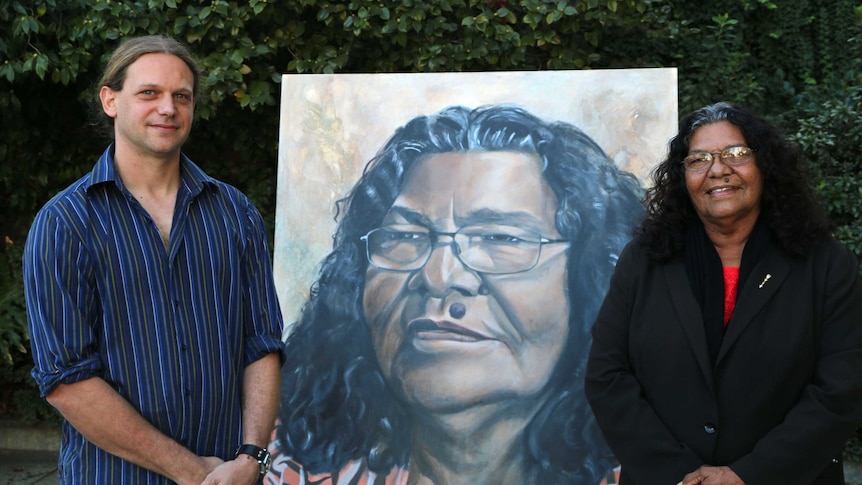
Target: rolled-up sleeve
[
  {"x": 61, "y": 300},
  {"x": 263, "y": 322}
]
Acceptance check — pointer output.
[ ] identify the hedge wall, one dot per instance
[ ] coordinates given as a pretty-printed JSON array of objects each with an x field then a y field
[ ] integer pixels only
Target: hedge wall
[{"x": 795, "y": 61}]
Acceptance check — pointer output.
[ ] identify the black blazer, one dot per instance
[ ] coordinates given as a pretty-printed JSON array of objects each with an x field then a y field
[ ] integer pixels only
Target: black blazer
[{"x": 784, "y": 394}]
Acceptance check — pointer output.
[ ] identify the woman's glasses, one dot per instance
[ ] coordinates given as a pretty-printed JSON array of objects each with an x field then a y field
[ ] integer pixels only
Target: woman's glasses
[{"x": 733, "y": 156}]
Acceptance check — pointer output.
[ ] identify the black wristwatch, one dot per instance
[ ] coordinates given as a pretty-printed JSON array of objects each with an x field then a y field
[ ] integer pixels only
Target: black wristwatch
[{"x": 258, "y": 453}]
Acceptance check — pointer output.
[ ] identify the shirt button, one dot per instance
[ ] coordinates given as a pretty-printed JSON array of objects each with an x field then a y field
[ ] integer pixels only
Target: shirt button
[{"x": 709, "y": 428}]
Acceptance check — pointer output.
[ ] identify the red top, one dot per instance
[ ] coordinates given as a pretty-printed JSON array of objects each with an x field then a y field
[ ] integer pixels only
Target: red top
[{"x": 731, "y": 282}]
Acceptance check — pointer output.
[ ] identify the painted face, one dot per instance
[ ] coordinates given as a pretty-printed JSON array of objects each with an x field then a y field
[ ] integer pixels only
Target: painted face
[
  {"x": 154, "y": 110},
  {"x": 448, "y": 337},
  {"x": 724, "y": 195}
]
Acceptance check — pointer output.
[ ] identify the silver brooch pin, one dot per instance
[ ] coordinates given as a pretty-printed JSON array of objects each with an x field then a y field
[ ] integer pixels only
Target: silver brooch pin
[{"x": 765, "y": 279}]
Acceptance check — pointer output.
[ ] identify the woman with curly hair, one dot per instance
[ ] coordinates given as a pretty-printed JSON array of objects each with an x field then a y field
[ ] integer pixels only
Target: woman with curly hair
[
  {"x": 446, "y": 337},
  {"x": 729, "y": 346}
]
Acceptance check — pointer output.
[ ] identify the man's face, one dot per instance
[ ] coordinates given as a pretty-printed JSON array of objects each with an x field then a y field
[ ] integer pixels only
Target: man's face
[
  {"x": 448, "y": 337},
  {"x": 154, "y": 110}
]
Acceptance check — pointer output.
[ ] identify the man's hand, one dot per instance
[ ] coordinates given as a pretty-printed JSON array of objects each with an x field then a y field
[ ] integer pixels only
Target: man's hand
[
  {"x": 712, "y": 475},
  {"x": 244, "y": 470},
  {"x": 107, "y": 420}
]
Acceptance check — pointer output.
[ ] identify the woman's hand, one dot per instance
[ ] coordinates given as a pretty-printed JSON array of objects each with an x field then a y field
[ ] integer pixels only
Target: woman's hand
[{"x": 712, "y": 475}]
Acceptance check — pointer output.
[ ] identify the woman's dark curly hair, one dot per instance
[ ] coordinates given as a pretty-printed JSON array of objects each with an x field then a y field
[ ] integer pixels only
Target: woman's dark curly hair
[
  {"x": 788, "y": 202},
  {"x": 336, "y": 406}
]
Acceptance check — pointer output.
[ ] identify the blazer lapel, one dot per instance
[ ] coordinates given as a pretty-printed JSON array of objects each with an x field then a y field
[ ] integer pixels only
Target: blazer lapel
[
  {"x": 689, "y": 315},
  {"x": 761, "y": 286}
]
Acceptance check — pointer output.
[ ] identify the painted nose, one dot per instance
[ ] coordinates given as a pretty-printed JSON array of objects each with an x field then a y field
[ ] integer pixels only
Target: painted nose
[{"x": 444, "y": 272}]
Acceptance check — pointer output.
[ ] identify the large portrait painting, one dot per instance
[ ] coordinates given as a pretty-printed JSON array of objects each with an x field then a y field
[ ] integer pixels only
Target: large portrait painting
[{"x": 442, "y": 245}]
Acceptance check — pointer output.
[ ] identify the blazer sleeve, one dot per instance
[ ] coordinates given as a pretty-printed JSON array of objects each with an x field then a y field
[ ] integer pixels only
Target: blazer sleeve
[
  {"x": 829, "y": 409},
  {"x": 641, "y": 441}
]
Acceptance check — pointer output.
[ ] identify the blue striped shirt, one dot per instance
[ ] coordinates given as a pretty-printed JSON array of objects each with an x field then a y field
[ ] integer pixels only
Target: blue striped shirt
[{"x": 170, "y": 329}]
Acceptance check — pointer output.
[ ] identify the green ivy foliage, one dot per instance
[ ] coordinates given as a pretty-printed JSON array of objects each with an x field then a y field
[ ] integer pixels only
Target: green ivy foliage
[
  {"x": 12, "y": 316},
  {"x": 827, "y": 125},
  {"x": 796, "y": 61}
]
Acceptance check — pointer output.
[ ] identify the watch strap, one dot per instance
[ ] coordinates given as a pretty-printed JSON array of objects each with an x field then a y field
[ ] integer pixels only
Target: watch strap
[{"x": 258, "y": 453}]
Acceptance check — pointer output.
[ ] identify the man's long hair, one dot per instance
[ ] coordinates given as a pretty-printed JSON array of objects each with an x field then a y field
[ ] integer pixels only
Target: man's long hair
[
  {"x": 129, "y": 51},
  {"x": 336, "y": 406}
]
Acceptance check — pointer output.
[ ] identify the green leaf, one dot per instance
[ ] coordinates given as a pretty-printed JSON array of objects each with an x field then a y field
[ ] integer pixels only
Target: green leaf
[
  {"x": 28, "y": 64},
  {"x": 41, "y": 66},
  {"x": 7, "y": 71}
]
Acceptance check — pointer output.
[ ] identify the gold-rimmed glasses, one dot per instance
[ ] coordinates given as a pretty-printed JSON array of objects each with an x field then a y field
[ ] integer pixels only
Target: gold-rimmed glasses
[{"x": 732, "y": 156}]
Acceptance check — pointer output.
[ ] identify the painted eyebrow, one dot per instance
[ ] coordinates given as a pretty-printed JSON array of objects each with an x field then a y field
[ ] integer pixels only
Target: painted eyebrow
[
  {"x": 412, "y": 216},
  {"x": 478, "y": 216}
]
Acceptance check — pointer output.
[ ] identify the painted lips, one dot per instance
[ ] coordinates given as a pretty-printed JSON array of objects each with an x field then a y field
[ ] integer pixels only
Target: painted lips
[{"x": 427, "y": 329}]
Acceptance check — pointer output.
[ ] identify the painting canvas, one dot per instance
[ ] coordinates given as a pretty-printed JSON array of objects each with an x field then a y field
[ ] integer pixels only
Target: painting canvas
[{"x": 442, "y": 244}]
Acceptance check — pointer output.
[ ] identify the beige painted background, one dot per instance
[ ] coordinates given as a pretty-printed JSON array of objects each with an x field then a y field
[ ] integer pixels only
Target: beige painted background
[{"x": 332, "y": 125}]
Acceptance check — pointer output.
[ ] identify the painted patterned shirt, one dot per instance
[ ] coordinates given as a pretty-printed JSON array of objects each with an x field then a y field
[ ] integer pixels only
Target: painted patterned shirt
[
  {"x": 170, "y": 329},
  {"x": 285, "y": 471}
]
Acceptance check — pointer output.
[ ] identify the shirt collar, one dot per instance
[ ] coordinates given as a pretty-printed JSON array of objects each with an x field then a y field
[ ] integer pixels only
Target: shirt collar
[{"x": 192, "y": 177}]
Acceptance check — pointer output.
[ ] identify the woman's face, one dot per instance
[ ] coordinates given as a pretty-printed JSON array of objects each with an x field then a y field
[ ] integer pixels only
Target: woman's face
[
  {"x": 724, "y": 195},
  {"x": 448, "y": 337}
]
